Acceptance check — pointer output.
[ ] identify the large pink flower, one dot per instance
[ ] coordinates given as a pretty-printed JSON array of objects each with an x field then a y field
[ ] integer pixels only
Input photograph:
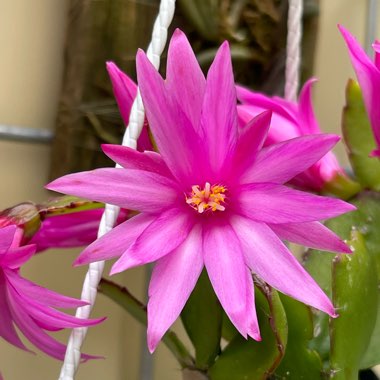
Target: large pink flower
[
  {"x": 368, "y": 74},
  {"x": 29, "y": 307},
  {"x": 291, "y": 120},
  {"x": 213, "y": 197}
]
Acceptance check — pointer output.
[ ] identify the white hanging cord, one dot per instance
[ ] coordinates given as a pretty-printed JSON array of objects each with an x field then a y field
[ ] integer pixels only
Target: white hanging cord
[
  {"x": 293, "y": 49},
  {"x": 132, "y": 133}
]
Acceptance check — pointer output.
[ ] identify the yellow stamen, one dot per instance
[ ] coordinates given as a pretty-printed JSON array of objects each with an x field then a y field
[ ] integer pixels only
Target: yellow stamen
[{"x": 211, "y": 198}]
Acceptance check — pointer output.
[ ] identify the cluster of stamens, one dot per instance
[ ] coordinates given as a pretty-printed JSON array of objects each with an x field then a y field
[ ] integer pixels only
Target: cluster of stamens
[{"x": 211, "y": 198}]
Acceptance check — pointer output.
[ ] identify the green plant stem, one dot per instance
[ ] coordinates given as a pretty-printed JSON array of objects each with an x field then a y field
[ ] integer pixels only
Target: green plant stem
[{"x": 137, "y": 310}]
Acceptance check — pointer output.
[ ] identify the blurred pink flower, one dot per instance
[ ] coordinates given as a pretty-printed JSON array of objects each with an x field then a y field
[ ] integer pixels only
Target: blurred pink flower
[
  {"x": 368, "y": 74},
  {"x": 290, "y": 120},
  {"x": 28, "y": 306},
  {"x": 213, "y": 197}
]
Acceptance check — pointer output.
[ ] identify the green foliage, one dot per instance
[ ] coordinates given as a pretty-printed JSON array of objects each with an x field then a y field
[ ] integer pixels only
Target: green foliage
[
  {"x": 355, "y": 295},
  {"x": 352, "y": 281},
  {"x": 299, "y": 361},
  {"x": 247, "y": 359},
  {"x": 202, "y": 319},
  {"x": 359, "y": 139}
]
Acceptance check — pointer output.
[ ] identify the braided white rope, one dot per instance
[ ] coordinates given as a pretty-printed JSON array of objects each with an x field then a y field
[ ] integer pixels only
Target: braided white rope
[
  {"x": 293, "y": 49},
  {"x": 132, "y": 133}
]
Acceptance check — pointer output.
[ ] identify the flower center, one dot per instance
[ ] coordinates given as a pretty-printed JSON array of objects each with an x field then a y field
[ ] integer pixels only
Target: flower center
[{"x": 211, "y": 198}]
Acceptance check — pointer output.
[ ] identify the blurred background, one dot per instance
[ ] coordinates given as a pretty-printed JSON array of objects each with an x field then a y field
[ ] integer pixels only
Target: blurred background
[{"x": 53, "y": 78}]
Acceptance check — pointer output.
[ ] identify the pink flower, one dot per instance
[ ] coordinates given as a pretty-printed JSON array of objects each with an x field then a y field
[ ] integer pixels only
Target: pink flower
[
  {"x": 213, "y": 197},
  {"x": 368, "y": 74},
  {"x": 290, "y": 120},
  {"x": 29, "y": 307}
]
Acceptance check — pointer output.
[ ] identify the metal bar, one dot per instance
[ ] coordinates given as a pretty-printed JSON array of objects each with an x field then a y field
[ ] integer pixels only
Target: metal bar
[
  {"x": 25, "y": 134},
  {"x": 370, "y": 37}
]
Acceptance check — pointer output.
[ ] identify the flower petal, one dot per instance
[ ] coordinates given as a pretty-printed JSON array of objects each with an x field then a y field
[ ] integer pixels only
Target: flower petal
[
  {"x": 219, "y": 114},
  {"x": 312, "y": 234},
  {"x": 168, "y": 121},
  {"x": 122, "y": 187},
  {"x": 124, "y": 88},
  {"x": 184, "y": 78},
  {"x": 269, "y": 258},
  {"x": 132, "y": 159},
  {"x": 262, "y": 102},
  {"x": 250, "y": 141},
  {"x": 50, "y": 318},
  {"x": 281, "y": 129},
  {"x": 38, "y": 293},
  {"x": 225, "y": 266},
  {"x": 161, "y": 237},
  {"x": 35, "y": 334},
  {"x": 116, "y": 242},
  {"x": 253, "y": 328},
  {"x": 368, "y": 75},
  {"x": 280, "y": 162},
  {"x": 15, "y": 258},
  {"x": 173, "y": 280},
  {"x": 308, "y": 122},
  {"x": 7, "y": 329},
  {"x": 271, "y": 203},
  {"x": 6, "y": 237}
]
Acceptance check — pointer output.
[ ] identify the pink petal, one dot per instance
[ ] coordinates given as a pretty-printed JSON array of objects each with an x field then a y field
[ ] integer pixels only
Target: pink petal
[
  {"x": 168, "y": 121},
  {"x": 272, "y": 203},
  {"x": 268, "y": 257},
  {"x": 281, "y": 128},
  {"x": 280, "y": 162},
  {"x": 53, "y": 319},
  {"x": 368, "y": 75},
  {"x": 115, "y": 242},
  {"x": 122, "y": 187},
  {"x": 308, "y": 122},
  {"x": 262, "y": 102},
  {"x": 312, "y": 234},
  {"x": 251, "y": 140},
  {"x": 161, "y": 237},
  {"x": 6, "y": 237},
  {"x": 132, "y": 159},
  {"x": 7, "y": 330},
  {"x": 184, "y": 78},
  {"x": 253, "y": 328},
  {"x": 124, "y": 88},
  {"x": 173, "y": 280},
  {"x": 225, "y": 266},
  {"x": 35, "y": 334},
  {"x": 38, "y": 293},
  {"x": 15, "y": 258},
  {"x": 219, "y": 114}
]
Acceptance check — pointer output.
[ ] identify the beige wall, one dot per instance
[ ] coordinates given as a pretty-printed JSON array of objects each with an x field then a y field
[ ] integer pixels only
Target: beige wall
[{"x": 31, "y": 41}]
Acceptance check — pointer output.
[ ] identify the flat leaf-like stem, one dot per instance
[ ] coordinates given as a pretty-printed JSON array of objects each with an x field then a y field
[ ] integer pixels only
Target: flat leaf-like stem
[
  {"x": 355, "y": 295},
  {"x": 247, "y": 359}
]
